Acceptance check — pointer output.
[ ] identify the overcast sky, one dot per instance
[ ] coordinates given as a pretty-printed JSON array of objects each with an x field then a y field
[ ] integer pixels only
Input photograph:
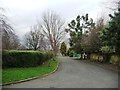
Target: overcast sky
[{"x": 24, "y": 13}]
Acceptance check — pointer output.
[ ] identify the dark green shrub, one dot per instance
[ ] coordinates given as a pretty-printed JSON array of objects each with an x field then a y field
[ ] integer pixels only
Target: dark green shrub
[
  {"x": 106, "y": 57},
  {"x": 24, "y": 58},
  {"x": 71, "y": 53}
]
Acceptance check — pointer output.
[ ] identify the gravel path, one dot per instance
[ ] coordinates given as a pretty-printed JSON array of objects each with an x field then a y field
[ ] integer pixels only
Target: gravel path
[{"x": 74, "y": 74}]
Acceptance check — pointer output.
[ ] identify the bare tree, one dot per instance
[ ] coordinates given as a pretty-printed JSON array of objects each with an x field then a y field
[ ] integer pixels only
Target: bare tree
[
  {"x": 44, "y": 44},
  {"x": 92, "y": 42},
  {"x": 33, "y": 38},
  {"x": 53, "y": 29},
  {"x": 4, "y": 26},
  {"x": 9, "y": 39},
  {"x": 14, "y": 42},
  {"x": 113, "y": 5}
]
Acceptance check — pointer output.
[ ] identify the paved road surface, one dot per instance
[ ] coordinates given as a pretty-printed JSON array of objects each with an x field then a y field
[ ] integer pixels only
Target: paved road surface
[{"x": 74, "y": 74}]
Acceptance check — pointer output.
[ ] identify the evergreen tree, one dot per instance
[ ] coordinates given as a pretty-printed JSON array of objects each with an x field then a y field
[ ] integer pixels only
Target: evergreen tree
[
  {"x": 63, "y": 48},
  {"x": 76, "y": 29},
  {"x": 111, "y": 35}
]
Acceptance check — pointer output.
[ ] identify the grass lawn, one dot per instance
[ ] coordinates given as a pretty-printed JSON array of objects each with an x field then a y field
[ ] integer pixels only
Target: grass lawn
[
  {"x": 15, "y": 74},
  {"x": 0, "y": 75}
]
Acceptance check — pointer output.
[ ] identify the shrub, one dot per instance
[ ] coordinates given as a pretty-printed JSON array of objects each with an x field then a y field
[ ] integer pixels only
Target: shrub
[
  {"x": 115, "y": 59},
  {"x": 106, "y": 49},
  {"x": 96, "y": 57},
  {"x": 71, "y": 53},
  {"x": 101, "y": 58},
  {"x": 24, "y": 58},
  {"x": 106, "y": 57}
]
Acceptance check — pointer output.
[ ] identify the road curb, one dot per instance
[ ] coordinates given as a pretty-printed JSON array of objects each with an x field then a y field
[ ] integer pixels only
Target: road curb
[{"x": 28, "y": 79}]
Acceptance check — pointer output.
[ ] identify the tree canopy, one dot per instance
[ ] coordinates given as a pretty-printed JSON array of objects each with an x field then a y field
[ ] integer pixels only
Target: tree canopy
[
  {"x": 76, "y": 29},
  {"x": 111, "y": 34},
  {"x": 63, "y": 48}
]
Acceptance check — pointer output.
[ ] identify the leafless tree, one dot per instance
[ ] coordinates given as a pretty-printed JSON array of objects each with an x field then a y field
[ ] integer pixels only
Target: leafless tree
[
  {"x": 15, "y": 42},
  {"x": 9, "y": 39},
  {"x": 44, "y": 45},
  {"x": 113, "y": 5},
  {"x": 92, "y": 42},
  {"x": 4, "y": 26},
  {"x": 34, "y": 38},
  {"x": 53, "y": 29}
]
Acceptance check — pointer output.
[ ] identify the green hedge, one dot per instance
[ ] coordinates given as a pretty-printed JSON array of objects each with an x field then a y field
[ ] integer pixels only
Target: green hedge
[{"x": 24, "y": 58}]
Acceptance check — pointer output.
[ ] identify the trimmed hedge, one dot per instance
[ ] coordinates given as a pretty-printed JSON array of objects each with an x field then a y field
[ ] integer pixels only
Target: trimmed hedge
[{"x": 24, "y": 58}]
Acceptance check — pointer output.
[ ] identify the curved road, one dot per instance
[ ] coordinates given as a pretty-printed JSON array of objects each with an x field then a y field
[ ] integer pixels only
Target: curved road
[{"x": 74, "y": 74}]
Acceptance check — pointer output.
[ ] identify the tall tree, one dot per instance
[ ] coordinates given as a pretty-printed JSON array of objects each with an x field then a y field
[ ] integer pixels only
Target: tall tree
[
  {"x": 5, "y": 27},
  {"x": 9, "y": 39},
  {"x": 33, "y": 38},
  {"x": 63, "y": 48},
  {"x": 91, "y": 41},
  {"x": 76, "y": 29},
  {"x": 53, "y": 29},
  {"x": 111, "y": 34}
]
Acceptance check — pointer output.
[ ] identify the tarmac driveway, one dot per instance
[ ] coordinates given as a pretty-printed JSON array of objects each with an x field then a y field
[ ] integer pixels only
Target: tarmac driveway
[{"x": 74, "y": 74}]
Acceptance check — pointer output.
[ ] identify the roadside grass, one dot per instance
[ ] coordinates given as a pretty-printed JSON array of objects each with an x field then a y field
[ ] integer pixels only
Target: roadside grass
[
  {"x": 16, "y": 74},
  {"x": 0, "y": 75}
]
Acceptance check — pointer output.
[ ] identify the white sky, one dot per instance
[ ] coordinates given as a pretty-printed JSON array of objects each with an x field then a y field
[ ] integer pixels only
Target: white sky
[{"x": 24, "y": 13}]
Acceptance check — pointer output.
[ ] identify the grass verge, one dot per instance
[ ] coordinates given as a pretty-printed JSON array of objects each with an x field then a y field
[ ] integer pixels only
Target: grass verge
[{"x": 16, "y": 74}]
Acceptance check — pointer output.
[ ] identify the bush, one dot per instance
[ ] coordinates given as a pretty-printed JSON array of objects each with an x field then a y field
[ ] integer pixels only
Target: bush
[
  {"x": 96, "y": 57},
  {"x": 71, "y": 53},
  {"x": 115, "y": 59},
  {"x": 24, "y": 58},
  {"x": 106, "y": 49},
  {"x": 106, "y": 57}
]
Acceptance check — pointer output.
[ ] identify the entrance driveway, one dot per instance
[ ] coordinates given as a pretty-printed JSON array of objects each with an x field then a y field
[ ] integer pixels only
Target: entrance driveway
[{"x": 74, "y": 74}]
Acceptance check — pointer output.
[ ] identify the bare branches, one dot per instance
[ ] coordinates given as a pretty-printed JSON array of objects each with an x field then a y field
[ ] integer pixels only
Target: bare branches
[
  {"x": 9, "y": 39},
  {"x": 113, "y": 5},
  {"x": 35, "y": 39},
  {"x": 53, "y": 28},
  {"x": 47, "y": 34},
  {"x": 4, "y": 26}
]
